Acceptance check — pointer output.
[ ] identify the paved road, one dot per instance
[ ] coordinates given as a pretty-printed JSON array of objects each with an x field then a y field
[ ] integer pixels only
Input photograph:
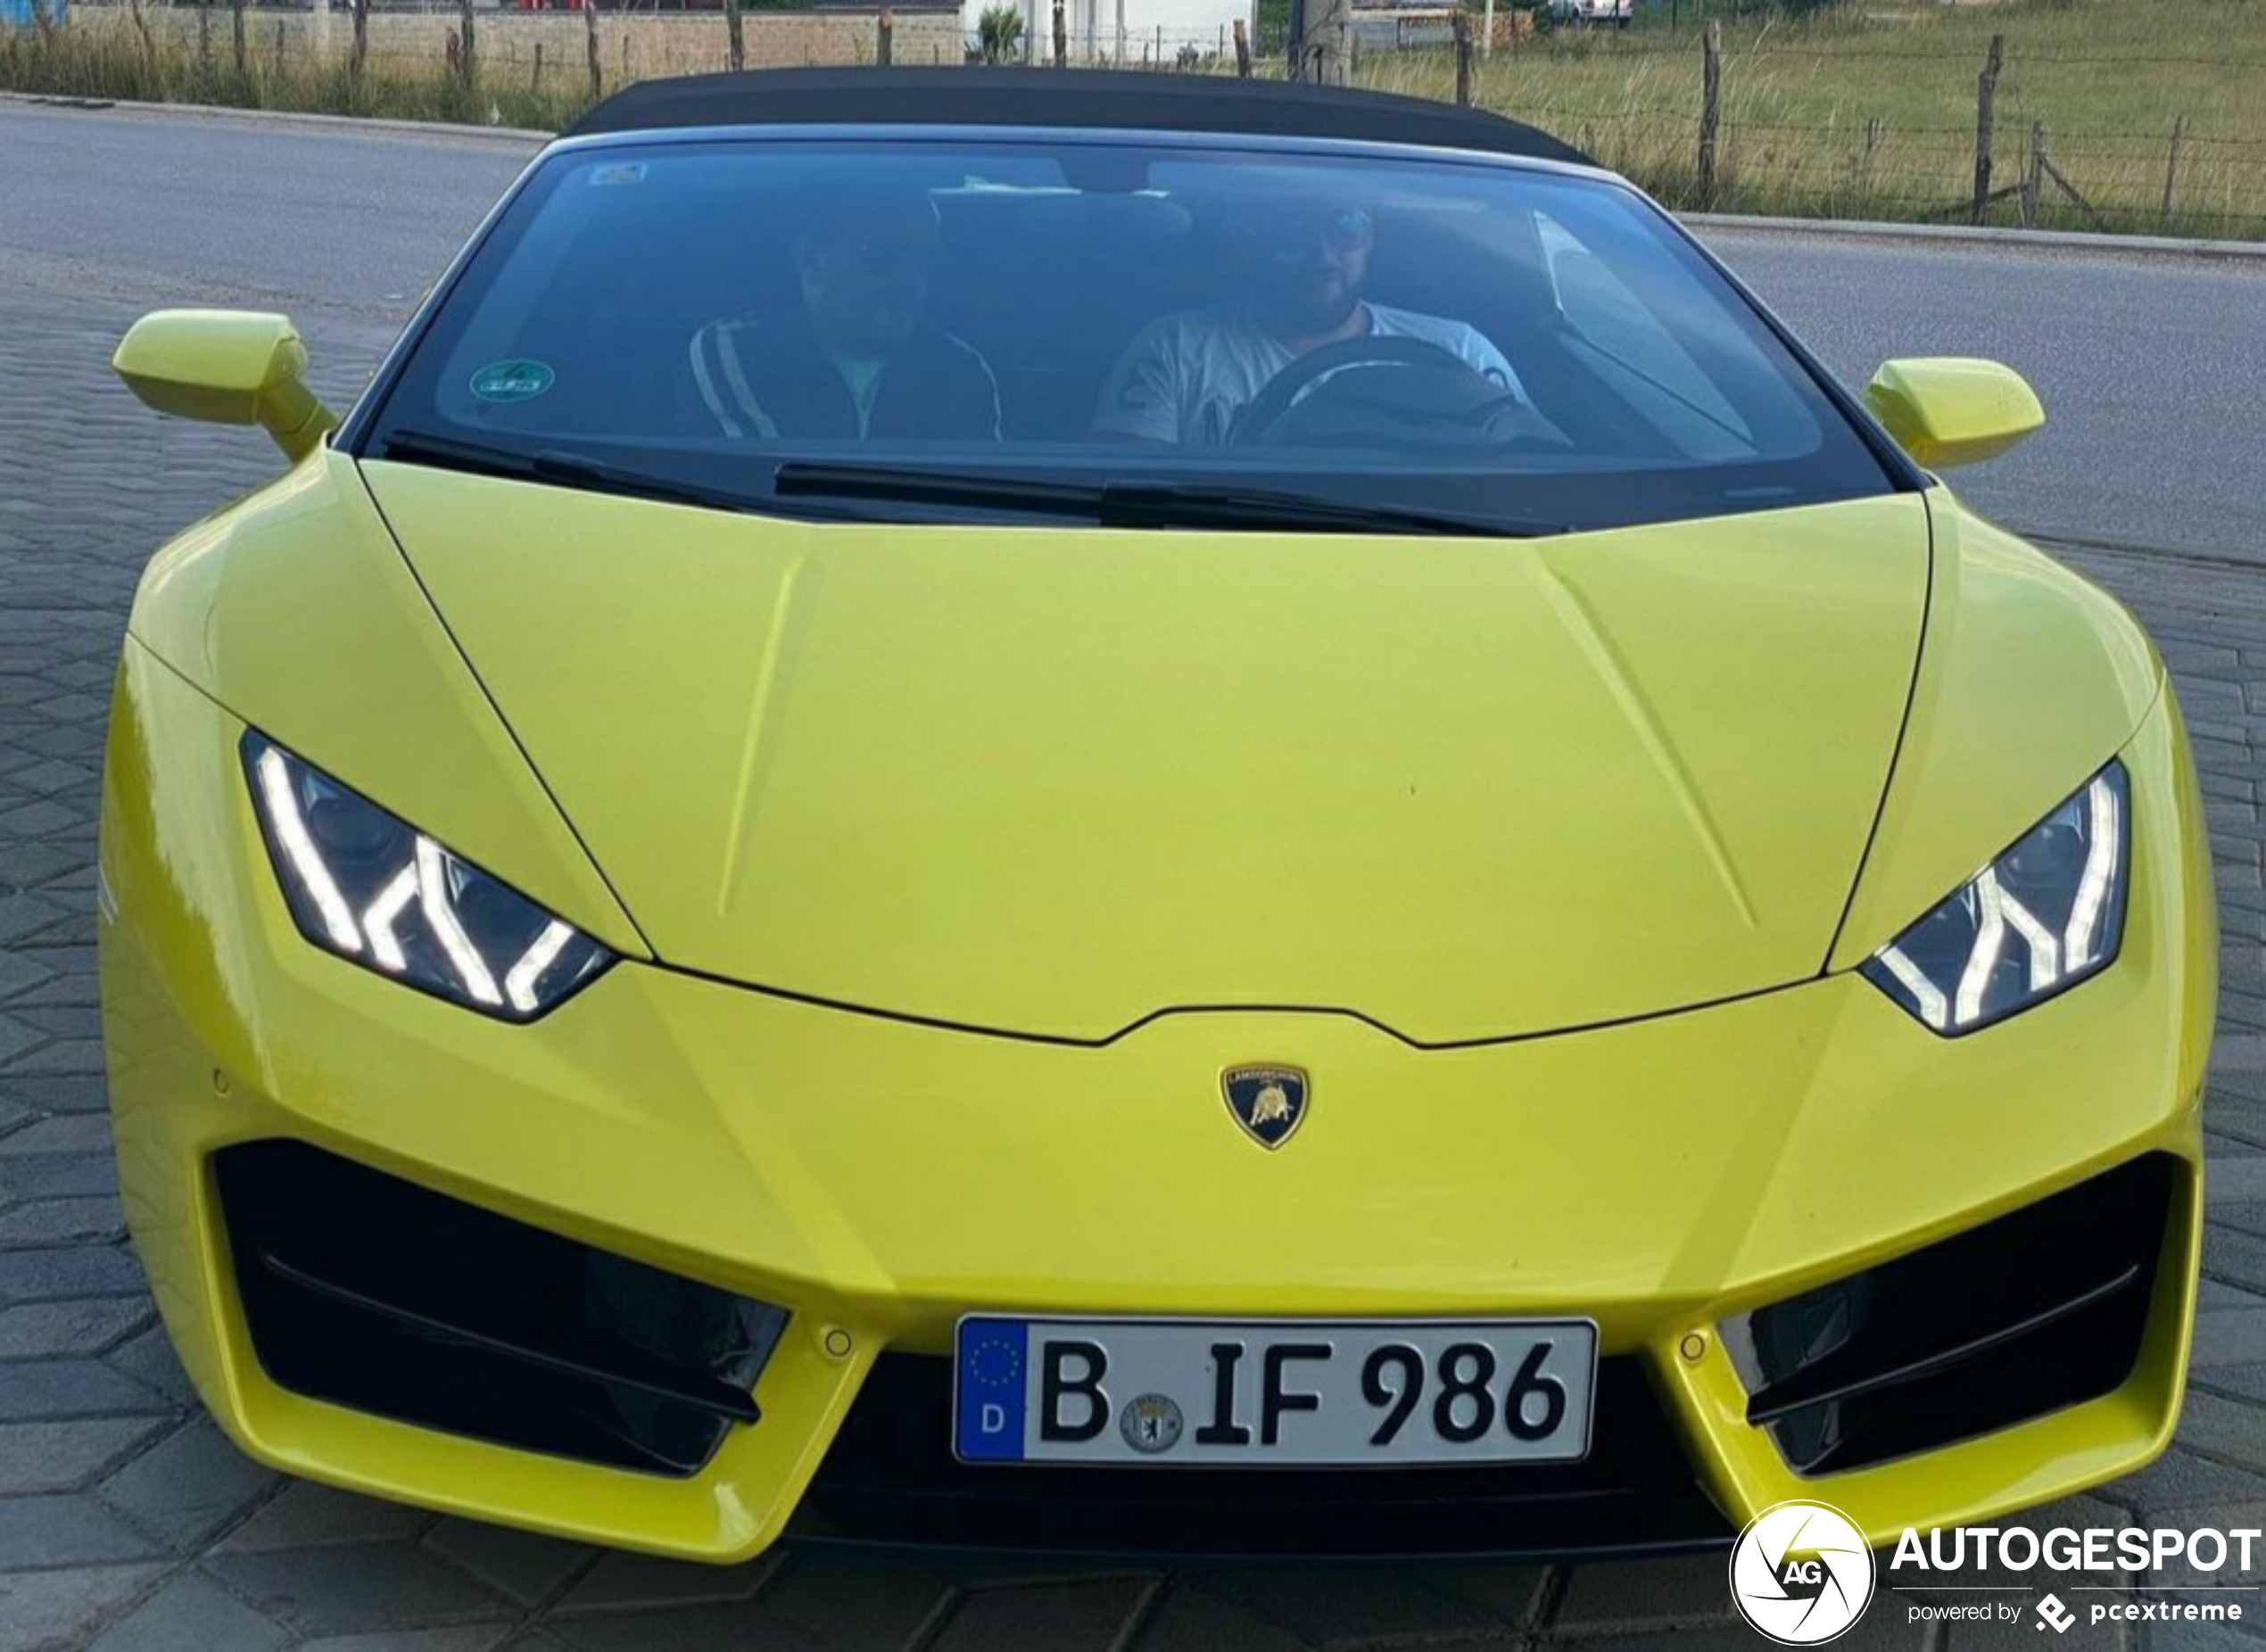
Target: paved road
[
  {"x": 2148, "y": 366},
  {"x": 126, "y": 1522}
]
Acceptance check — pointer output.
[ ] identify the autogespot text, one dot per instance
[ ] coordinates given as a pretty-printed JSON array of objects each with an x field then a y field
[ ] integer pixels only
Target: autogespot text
[{"x": 2206, "y": 1551}]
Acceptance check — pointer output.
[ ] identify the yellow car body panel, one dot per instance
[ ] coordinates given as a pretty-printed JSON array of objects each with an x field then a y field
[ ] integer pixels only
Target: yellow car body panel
[
  {"x": 2031, "y": 678},
  {"x": 294, "y": 608},
  {"x": 1054, "y": 781},
  {"x": 877, "y": 1176}
]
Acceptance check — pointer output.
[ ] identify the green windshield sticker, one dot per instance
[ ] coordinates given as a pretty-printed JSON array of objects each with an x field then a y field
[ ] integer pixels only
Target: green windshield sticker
[{"x": 512, "y": 381}]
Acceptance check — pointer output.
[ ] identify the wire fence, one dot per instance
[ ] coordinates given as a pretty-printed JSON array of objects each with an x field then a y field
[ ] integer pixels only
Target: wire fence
[{"x": 2011, "y": 137}]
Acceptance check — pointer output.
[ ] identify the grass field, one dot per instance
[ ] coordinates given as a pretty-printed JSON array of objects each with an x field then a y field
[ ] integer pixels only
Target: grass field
[
  {"x": 2105, "y": 79},
  {"x": 1858, "y": 110},
  {"x": 191, "y": 59}
]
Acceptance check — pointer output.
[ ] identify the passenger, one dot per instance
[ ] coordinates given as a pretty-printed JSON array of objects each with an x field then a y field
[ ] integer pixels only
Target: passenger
[
  {"x": 1302, "y": 267},
  {"x": 860, "y": 360}
]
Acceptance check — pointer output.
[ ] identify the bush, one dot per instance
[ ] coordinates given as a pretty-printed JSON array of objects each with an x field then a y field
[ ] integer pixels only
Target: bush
[{"x": 999, "y": 34}]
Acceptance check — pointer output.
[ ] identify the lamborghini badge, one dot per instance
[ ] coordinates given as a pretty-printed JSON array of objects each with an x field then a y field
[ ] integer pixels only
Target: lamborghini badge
[{"x": 1268, "y": 1102}]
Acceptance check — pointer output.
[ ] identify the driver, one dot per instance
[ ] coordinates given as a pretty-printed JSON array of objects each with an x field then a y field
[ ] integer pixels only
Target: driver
[{"x": 1302, "y": 267}]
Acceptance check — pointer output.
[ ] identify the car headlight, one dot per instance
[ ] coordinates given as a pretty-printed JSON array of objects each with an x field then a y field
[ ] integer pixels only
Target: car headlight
[
  {"x": 377, "y": 891},
  {"x": 2043, "y": 916}
]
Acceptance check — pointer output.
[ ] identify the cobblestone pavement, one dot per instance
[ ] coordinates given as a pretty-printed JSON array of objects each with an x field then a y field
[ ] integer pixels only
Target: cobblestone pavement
[{"x": 127, "y": 1522}]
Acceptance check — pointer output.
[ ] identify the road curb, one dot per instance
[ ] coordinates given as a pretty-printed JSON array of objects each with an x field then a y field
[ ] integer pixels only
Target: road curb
[
  {"x": 1983, "y": 235},
  {"x": 2048, "y": 240},
  {"x": 520, "y": 137}
]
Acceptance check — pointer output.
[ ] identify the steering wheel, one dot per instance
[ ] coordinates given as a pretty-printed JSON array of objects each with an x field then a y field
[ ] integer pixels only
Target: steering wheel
[{"x": 1303, "y": 377}]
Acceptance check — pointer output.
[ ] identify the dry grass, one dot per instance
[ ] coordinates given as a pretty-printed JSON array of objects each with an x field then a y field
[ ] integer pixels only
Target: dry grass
[
  {"x": 2105, "y": 79},
  {"x": 1858, "y": 112},
  {"x": 102, "y": 55}
]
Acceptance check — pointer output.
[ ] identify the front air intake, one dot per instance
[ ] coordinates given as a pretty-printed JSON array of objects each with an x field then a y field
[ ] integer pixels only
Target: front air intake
[
  {"x": 2042, "y": 1308},
  {"x": 370, "y": 1292}
]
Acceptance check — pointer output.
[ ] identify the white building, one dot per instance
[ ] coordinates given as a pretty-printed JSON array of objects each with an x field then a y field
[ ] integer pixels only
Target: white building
[{"x": 1131, "y": 31}]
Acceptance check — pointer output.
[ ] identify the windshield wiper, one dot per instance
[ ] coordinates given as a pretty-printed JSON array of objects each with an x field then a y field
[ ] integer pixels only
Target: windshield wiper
[
  {"x": 1138, "y": 504},
  {"x": 556, "y": 466}
]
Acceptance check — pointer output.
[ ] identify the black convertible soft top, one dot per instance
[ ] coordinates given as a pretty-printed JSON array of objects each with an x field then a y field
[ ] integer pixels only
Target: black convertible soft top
[{"x": 1074, "y": 98}]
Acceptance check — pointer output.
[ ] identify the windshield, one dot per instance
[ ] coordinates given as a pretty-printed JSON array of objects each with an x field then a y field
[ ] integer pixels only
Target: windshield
[{"x": 903, "y": 328}]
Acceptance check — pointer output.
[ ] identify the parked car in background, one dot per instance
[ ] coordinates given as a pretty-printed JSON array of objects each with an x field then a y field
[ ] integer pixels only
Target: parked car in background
[{"x": 1616, "y": 13}]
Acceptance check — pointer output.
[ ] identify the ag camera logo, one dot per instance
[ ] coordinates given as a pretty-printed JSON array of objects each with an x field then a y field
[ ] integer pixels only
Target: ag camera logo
[{"x": 1801, "y": 1573}]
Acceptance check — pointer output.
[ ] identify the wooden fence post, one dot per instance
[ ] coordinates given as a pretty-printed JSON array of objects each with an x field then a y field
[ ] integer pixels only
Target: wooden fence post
[
  {"x": 142, "y": 27},
  {"x": 204, "y": 35},
  {"x": 735, "y": 42},
  {"x": 150, "y": 59},
  {"x": 280, "y": 37},
  {"x": 243, "y": 46},
  {"x": 535, "y": 83},
  {"x": 1328, "y": 26},
  {"x": 469, "y": 66},
  {"x": 358, "y": 54},
  {"x": 1986, "y": 96},
  {"x": 884, "y": 41},
  {"x": 2033, "y": 171},
  {"x": 1242, "y": 50},
  {"x": 2045, "y": 168},
  {"x": 1710, "y": 106},
  {"x": 1461, "y": 22},
  {"x": 1061, "y": 38},
  {"x": 2172, "y": 167}
]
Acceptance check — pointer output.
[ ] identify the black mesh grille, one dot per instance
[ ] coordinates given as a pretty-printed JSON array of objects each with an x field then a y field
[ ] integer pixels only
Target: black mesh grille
[
  {"x": 371, "y": 1292},
  {"x": 2042, "y": 1308},
  {"x": 891, "y": 1479}
]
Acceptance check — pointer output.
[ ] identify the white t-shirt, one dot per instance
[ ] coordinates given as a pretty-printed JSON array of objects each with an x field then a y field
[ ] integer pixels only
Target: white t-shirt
[{"x": 1184, "y": 377}]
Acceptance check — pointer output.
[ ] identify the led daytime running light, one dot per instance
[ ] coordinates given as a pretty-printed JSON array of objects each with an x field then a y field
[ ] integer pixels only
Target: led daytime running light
[
  {"x": 426, "y": 917},
  {"x": 2025, "y": 926}
]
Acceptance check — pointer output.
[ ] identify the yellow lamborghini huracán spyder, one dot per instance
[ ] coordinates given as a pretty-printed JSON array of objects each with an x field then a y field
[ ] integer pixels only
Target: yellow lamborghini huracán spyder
[{"x": 1141, "y": 814}]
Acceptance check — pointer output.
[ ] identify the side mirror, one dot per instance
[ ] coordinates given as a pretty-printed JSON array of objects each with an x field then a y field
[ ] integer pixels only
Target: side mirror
[
  {"x": 1946, "y": 410},
  {"x": 228, "y": 366}
]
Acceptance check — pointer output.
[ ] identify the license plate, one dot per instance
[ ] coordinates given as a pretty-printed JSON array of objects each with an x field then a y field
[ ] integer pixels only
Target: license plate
[{"x": 1269, "y": 1393}]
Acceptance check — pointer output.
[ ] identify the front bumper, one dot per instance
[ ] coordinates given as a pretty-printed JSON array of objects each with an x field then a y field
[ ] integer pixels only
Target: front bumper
[{"x": 876, "y": 1178}]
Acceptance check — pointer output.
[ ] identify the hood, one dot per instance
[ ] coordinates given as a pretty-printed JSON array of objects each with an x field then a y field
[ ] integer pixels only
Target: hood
[{"x": 1051, "y": 781}]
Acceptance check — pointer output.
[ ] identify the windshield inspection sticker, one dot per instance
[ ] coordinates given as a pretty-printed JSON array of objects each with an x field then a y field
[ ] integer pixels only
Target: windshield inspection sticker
[
  {"x": 619, "y": 173},
  {"x": 512, "y": 381}
]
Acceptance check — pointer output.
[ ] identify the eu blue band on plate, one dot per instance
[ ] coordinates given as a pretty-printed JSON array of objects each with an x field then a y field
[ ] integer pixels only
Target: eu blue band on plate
[{"x": 994, "y": 1354}]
